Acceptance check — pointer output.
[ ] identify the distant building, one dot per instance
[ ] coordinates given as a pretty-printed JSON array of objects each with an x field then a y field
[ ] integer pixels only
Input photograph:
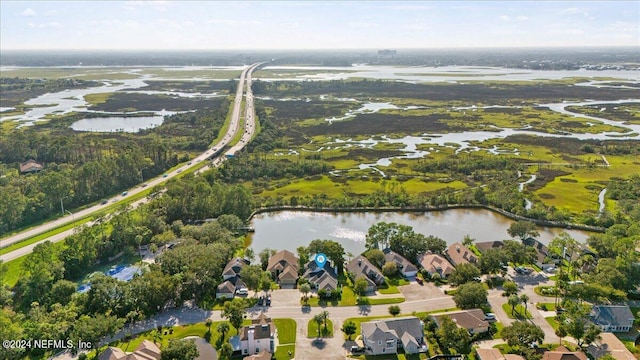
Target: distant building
[
  {"x": 31, "y": 166},
  {"x": 361, "y": 267},
  {"x": 612, "y": 318},
  {"x": 562, "y": 353},
  {"x": 406, "y": 268},
  {"x": 460, "y": 254},
  {"x": 258, "y": 337},
  {"x": 147, "y": 350},
  {"x": 231, "y": 276},
  {"x": 387, "y": 52},
  {"x": 542, "y": 251},
  {"x": 283, "y": 267},
  {"x": 611, "y": 345},
  {"x": 387, "y": 336},
  {"x": 472, "y": 320},
  {"x": 233, "y": 268},
  {"x": 436, "y": 264}
]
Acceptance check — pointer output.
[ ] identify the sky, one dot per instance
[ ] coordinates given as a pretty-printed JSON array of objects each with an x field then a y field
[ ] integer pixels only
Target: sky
[{"x": 264, "y": 25}]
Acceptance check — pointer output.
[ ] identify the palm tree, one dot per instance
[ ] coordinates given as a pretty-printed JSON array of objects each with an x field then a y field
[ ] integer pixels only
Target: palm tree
[
  {"x": 513, "y": 301},
  {"x": 524, "y": 298},
  {"x": 325, "y": 317},
  {"x": 223, "y": 328},
  {"x": 318, "y": 319},
  {"x": 305, "y": 289}
]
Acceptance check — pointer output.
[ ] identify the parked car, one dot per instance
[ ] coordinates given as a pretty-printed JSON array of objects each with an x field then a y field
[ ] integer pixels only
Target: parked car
[
  {"x": 242, "y": 291},
  {"x": 268, "y": 301},
  {"x": 356, "y": 350},
  {"x": 490, "y": 316},
  {"x": 260, "y": 300},
  {"x": 419, "y": 280}
]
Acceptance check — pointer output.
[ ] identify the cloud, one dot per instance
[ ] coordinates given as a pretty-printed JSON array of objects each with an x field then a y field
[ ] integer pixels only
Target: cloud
[
  {"x": 28, "y": 12},
  {"x": 504, "y": 17},
  {"x": 53, "y": 24},
  {"x": 363, "y": 25},
  {"x": 522, "y": 18}
]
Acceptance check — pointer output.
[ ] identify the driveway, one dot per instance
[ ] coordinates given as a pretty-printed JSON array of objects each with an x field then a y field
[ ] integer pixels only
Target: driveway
[
  {"x": 415, "y": 291},
  {"x": 314, "y": 348}
]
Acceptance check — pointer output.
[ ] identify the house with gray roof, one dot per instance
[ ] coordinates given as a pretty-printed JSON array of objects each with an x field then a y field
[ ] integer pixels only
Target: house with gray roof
[
  {"x": 321, "y": 278},
  {"x": 388, "y": 336},
  {"x": 233, "y": 267},
  {"x": 362, "y": 268},
  {"x": 406, "y": 268},
  {"x": 612, "y": 318},
  {"x": 258, "y": 337}
]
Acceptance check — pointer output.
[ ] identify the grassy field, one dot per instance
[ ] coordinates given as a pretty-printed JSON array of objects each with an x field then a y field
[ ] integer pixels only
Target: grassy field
[
  {"x": 519, "y": 311},
  {"x": 312, "y": 329}
]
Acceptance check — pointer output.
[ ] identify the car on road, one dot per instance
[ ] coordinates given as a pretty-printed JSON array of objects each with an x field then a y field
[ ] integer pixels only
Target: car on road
[
  {"x": 490, "y": 316},
  {"x": 190, "y": 162},
  {"x": 104, "y": 202},
  {"x": 179, "y": 171},
  {"x": 144, "y": 185},
  {"x": 124, "y": 193},
  {"x": 164, "y": 175}
]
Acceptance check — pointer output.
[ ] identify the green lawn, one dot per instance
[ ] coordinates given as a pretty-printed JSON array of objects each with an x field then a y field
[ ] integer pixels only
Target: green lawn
[
  {"x": 553, "y": 322},
  {"x": 518, "y": 313},
  {"x": 546, "y": 306},
  {"x": 286, "y": 330},
  {"x": 312, "y": 329},
  {"x": 282, "y": 352},
  {"x": 381, "y": 301}
]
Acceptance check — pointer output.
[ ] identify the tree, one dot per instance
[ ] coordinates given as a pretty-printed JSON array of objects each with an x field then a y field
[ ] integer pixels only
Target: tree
[
  {"x": 390, "y": 269},
  {"x": 375, "y": 256},
  {"x": 349, "y": 328},
  {"x": 561, "y": 332},
  {"x": 521, "y": 334},
  {"x": 519, "y": 253},
  {"x": 234, "y": 312},
  {"x": 524, "y": 298},
  {"x": 513, "y": 301},
  {"x": 305, "y": 289},
  {"x": 523, "y": 230},
  {"x": 177, "y": 349},
  {"x": 510, "y": 288},
  {"x": 492, "y": 261},
  {"x": 468, "y": 240},
  {"x": 464, "y": 273},
  {"x": 318, "y": 320},
  {"x": 453, "y": 339},
  {"x": 470, "y": 295},
  {"x": 332, "y": 249},
  {"x": 394, "y": 310},
  {"x": 249, "y": 254},
  {"x": 325, "y": 317},
  {"x": 223, "y": 328},
  {"x": 264, "y": 256},
  {"x": 265, "y": 282},
  {"x": 226, "y": 350},
  {"x": 360, "y": 285},
  {"x": 251, "y": 275}
]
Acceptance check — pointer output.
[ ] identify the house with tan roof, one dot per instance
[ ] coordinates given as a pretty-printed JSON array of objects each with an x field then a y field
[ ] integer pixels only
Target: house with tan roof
[
  {"x": 473, "y": 320},
  {"x": 283, "y": 267},
  {"x": 460, "y": 254},
  {"x": 486, "y": 245},
  {"x": 256, "y": 338},
  {"x": 562, "y": 353},
  {"x": 406, "y": 268},
  {"x": 147, "y": 350},
  {"x": 360, "y": 267},
  {"x": 495, "y": 354},
  {"x": 436, "y": 264},
  {"x": 609, "y": 344},
  {"x": 31, "y": 166}
]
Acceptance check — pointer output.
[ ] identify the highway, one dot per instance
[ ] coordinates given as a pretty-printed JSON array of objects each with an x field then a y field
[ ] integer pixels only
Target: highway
[{"x": 234, "y": 127}]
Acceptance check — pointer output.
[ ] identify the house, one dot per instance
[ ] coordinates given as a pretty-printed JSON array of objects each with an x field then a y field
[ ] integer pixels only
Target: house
[
  {"x": 233, "y": 268},
  {"x": 147, "y": 350},
  {"x": 436, "y": 264},
  {"x": 486, "y": 245},
  {"x": 321, "y": 278},
  {"x": 387, "y": 336},
  {"x": 227, "y": 289},
  {"x": 609, "y": 344},
  {"x": 31, "y": 166},
  {"x": 562, "y": 353},
  {"x": 472, "y": 320},
  {"x": 258, "y": 337},
  {"x": 283, "y": 267},
  {"x": 460, "y": 254},
  {"x": 495, "y": 354},
  {"x": 361, "y": 267},
  {"x": 262, "y": 355},
  {"x": 406, "y": 268},
  {"x": 542, "y": 251},
  {"x": 612, "y": 318}
]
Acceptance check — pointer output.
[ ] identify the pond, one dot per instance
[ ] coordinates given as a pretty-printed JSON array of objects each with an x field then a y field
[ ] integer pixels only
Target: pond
[
  {"x": 290, "y": 229},
  {"x": 117, "y": 123}
]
